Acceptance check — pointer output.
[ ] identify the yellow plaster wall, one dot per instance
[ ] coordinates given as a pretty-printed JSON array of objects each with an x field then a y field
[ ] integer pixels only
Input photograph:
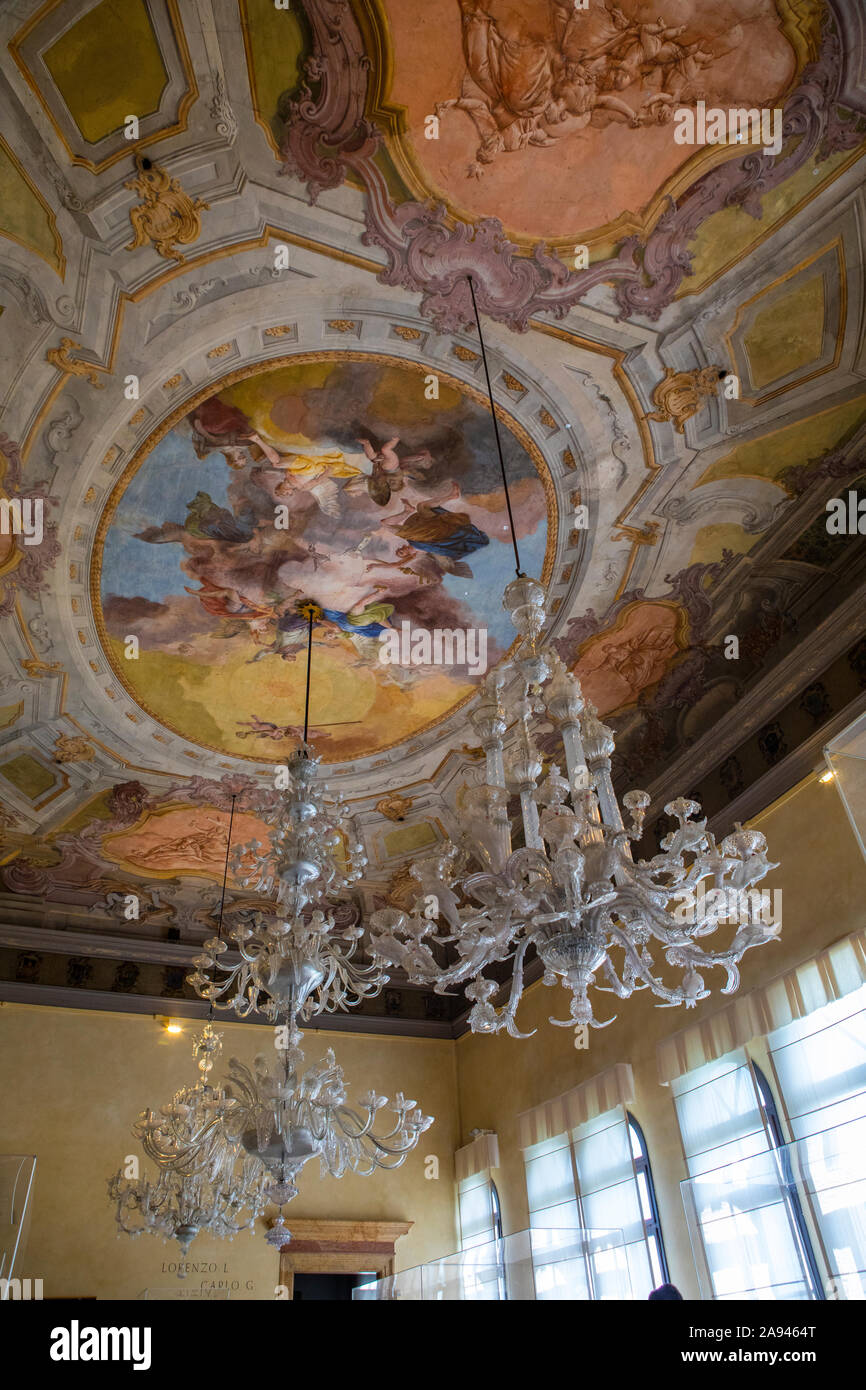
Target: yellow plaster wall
[
  {"x": 71, "y": 1083},
  {"x": 823, "y": 880},
  {"x": 769, "y": 454},
  {"x": 786, "y": 334}
]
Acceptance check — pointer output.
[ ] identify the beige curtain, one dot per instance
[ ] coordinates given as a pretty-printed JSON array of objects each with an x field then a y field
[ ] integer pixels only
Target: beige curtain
[
  {"x": 564, "y": 1113},
  {"x": 829, "y": 976},
  {"x": 477, "y": 1157}
]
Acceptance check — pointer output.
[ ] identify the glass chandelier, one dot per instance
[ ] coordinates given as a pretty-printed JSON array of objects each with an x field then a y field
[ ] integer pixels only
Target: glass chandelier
[
  {"x": 298, "y": 962},
  {"x": 272, "y": 1121},
  {"x": 571, "y": 889},
  {"x": 293, "y": 966},
  {"x": 178, "y": 1207},
  {"x": 221, "y": 1197}
]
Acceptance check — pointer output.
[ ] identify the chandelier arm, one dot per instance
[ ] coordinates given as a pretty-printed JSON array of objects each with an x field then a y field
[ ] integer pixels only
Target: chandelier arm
[
  {"x": 382, "y": 1146},
  {"x": 364, "y": 1127},
  {"x": 616, "y": 985},
  {"x": 642, "y": 970},
  {"x": 662, "y": 922},
  {"x": 510, "y": 1011}
]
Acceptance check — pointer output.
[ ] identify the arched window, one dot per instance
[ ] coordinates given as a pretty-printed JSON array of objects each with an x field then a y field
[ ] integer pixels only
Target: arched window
[
  {"x": 789, "y": 1186},
  {"x": 648, "y": 1204},
  {"x": 496, "y": 1211}
]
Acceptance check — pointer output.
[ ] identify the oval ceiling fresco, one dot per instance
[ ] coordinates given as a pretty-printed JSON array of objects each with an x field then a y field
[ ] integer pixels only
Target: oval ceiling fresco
[{"x": 326, "y": 477}]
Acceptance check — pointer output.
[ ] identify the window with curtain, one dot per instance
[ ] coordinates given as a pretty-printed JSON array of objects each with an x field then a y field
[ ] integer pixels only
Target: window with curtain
[
  {"x": 820, "y": 1063},
  {"x": 648, "y": 1204},
  {"x": 477, "y": 1212},
  {"x": 553, "y": 1207},
  {"x": 483, "y": 1272},
  {"x": 737, "y": 1195},
  {"x": 587, "y": 1181}
]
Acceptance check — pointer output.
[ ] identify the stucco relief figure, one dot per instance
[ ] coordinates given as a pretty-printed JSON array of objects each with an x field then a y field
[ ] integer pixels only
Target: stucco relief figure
[
  {"x": 618, "y": 665},
  {"x": 186, "y": 838},
  {"x": 538, "y": 73}
]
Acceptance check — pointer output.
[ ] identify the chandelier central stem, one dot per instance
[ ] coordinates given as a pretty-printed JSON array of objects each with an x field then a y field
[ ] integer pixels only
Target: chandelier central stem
[
  {"x": 310, "y": 612},
  {"x": 223, "y": 896}
]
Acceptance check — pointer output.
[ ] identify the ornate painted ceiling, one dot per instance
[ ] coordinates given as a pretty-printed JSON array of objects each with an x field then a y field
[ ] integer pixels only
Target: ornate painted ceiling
[{"x": 229, "y": 273}]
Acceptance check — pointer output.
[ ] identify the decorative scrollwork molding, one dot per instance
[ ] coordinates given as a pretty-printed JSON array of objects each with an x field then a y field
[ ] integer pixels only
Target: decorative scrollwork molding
[{"x": 61, "y": 358}]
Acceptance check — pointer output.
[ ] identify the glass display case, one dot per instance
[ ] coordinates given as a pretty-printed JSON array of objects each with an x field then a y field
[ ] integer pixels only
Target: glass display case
[
  {"x": 16, "y": 1187},
  {"x": 789, "y": 1223},
  {"x": 533, "y": 1265}
]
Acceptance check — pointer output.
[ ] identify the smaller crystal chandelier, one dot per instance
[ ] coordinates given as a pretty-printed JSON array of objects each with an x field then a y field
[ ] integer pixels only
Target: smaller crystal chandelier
[
  {"x": 278, "y": 1119},
  {"x": 296, "y": 969},
  {"x": 300, "y": 961},
  {"x": 179, "y": 1206},
  {"x": 222, "y": 1196},
  {"x": 285, "y": 1115}
]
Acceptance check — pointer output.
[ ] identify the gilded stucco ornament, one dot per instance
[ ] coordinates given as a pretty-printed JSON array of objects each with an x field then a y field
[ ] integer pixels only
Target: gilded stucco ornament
[
  {"x": 394, "y": 806},
  {"x": 61, "y": 357},
  {"x": 680, "y": 395},
  {"x": 69, "y": 749},
  {"x": 166, "y": 215}
]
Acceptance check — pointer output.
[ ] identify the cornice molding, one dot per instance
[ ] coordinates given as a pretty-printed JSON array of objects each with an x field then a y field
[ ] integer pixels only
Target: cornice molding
[
  {"x": 66, "y": 997},
  {"x": 758, "y": 706}
]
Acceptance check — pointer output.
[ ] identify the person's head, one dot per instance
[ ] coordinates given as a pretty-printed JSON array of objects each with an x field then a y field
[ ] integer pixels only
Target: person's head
[
  {"x": 235, "y": 456},
  {"x": 665, "y": 1292}
]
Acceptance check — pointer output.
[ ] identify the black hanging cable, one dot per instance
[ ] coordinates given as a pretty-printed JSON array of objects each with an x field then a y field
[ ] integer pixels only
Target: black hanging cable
[
  {"x": 222, "y": 900},
  {"x": 310, "y": 614},
  {"x": 496, "y": 431}
]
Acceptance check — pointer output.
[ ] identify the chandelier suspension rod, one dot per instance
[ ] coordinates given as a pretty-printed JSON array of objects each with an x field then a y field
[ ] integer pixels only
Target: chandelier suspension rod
[
  {"x": 223, "y": 897},
  {"x": 519, "y": 571},
  {"x": 310, "y": 615}
]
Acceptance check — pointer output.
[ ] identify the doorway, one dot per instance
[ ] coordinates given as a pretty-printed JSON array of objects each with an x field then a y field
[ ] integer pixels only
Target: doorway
[{"x": 327, "y": 1287}]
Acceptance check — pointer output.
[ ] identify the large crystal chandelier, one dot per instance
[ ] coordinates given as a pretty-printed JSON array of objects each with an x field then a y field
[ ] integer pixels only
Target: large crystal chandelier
[
  {"x": 570, "y": 889},
  {"x": 221, "y": 1197}
]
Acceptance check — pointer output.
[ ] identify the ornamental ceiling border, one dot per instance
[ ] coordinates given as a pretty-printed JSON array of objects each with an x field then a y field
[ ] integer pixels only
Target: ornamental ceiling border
[
  {"x": 156, "y": 282},
  {"x": 552, "y": 438},
  {"x": 331, "y": 136},
  {"x": 249, "y": 369}
]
